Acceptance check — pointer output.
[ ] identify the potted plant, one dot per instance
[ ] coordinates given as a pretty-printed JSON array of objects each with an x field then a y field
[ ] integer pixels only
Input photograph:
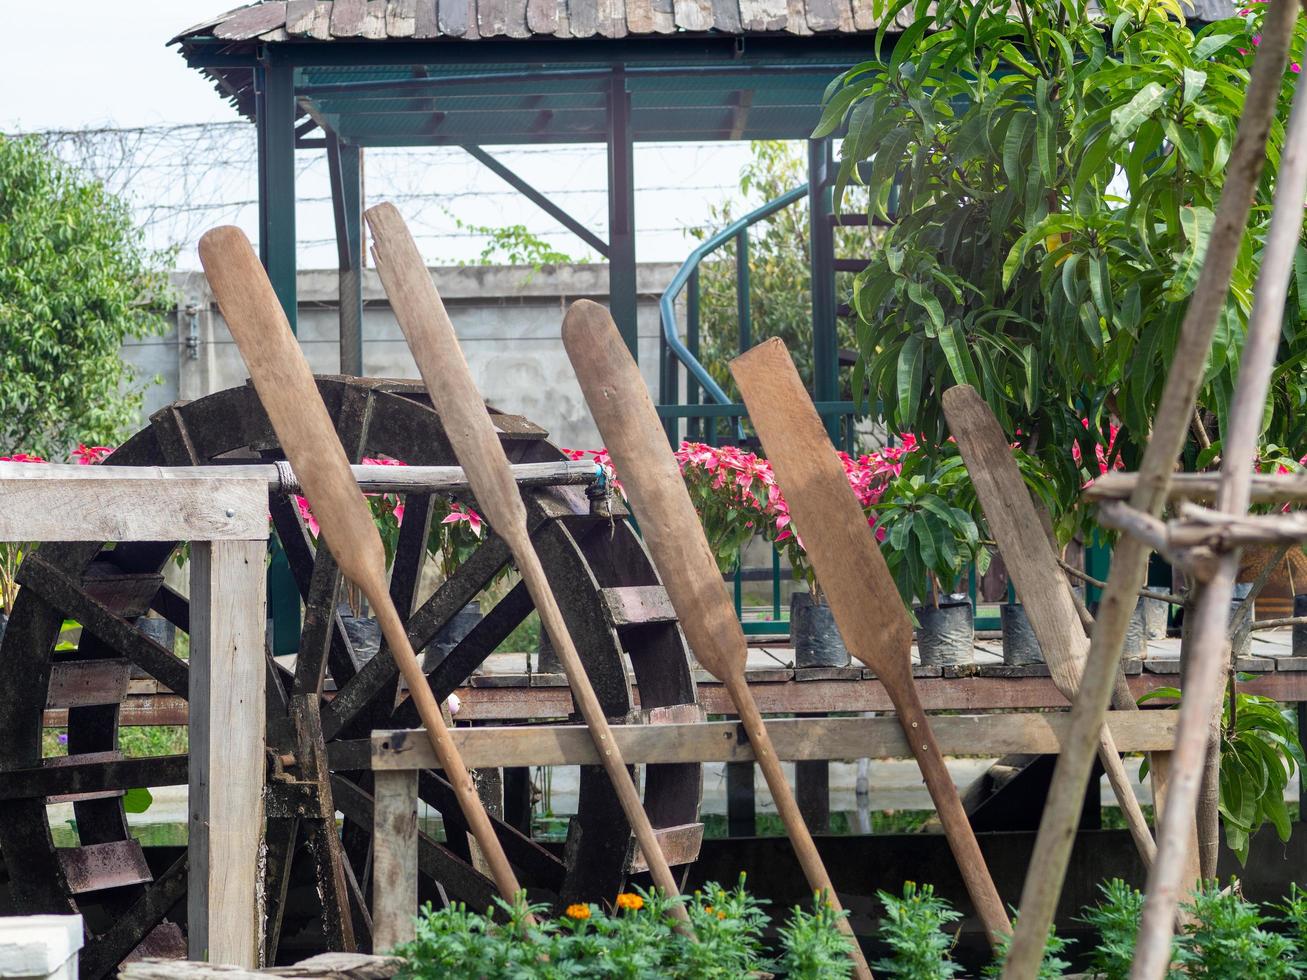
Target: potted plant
[{"x": 929, "y": 537}]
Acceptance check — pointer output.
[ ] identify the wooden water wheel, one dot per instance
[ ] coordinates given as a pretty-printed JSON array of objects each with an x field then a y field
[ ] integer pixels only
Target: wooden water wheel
[{"x": 322, "y": 705}]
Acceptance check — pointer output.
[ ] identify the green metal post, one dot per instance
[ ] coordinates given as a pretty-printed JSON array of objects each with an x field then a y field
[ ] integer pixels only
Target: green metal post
[
  {"x": 742, "y": 289},
  {"x": 621, "y": 212},
  {"x": 694, "y": 427},
  {"x": 344, "y": 161},
  {"x": 275, "y": 111},
  {"x": 825, "y": 356}
]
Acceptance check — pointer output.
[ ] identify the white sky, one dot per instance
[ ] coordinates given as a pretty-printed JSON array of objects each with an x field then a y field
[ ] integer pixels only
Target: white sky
[{"x": 106, "y": 63}]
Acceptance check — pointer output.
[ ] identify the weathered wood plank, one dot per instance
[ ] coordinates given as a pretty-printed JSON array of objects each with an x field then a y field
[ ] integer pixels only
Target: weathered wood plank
[
  {"x": 78, "y": 683},
  {"x": 492, "y": 17},
  {"x": 612, "y": 18},
  {"x": 680, "y": 845},
  {"x": 583, "y": 17},
  {"x": 726, "y": 16},
  {"x": 299, "y": 17},
  {"x": 401, "y": 18},
  {"x": 253, "y": 21},
  {"x": 321, "y": 29},
  {"x": 639, "y": 16},
  {"x": 394, "y": 858},
  {"x": 664, "y": 16},
  {"x": 635, "y": 605},
  {"x": 324, "y": 966},
  {"x": 693, "y": 15},
  {"x": 73, "y": 508},
  {"x": 374, "y": 24},
  {"x": 348, "y": 17},
  {"x": 95, "y": 867},
  {"x": 227, "y": 764},
  {"x": 453, "y": 16},
  {"x": 542, "y": 16},
  {"x": 797, "y": 17},
  {"x": 795, "y": 739},
  {"x": 515, "y": 18},
  {"x": 828, "y": 15},
  {"x": 864, "y": 18},
  {"x": 764, "y": 15}
]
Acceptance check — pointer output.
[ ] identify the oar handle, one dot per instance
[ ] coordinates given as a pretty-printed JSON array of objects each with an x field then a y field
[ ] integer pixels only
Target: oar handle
[
  {"x": 805, "y": 849},
  {"x": 957, "y": 827}
]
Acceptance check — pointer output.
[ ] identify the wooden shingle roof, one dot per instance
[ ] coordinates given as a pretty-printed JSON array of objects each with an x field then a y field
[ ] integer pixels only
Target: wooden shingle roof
[{"x": 327, "y": 20}]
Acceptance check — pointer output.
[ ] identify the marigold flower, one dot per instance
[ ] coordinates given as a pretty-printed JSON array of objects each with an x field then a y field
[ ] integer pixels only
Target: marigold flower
[
  {"x": 578, "y": 911},
  {"x": 630, "y": 901}
]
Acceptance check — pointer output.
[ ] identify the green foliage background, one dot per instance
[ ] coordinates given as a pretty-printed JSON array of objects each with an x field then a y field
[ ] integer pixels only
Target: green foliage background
[
  {"x": 76, "y": 280},
  {"x": 1057, "y": 167}
]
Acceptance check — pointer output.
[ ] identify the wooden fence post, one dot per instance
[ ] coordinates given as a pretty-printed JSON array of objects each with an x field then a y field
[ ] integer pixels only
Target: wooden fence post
[
  {"x": 394, "y": 857},
  {"x": 225, "y": 893}
]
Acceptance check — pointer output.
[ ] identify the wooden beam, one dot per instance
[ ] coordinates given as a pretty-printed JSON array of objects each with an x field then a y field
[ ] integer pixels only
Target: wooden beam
[
  {"x": 795, "y": 739},
  {"x": 49, "y": 503},
  {"x": 227, "y": 764},
  {"x": 394, "y": 858}
]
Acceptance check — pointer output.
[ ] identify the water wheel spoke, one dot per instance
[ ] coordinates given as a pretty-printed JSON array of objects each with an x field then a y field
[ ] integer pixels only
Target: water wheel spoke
[
  {"x": 315, "y": 574},
  {"x": 364, "y": 689},
  {"x": 321, "y": 622},
  {"x": 472, "y": 651},
  {"x": 280, "y": 839},
  {"x": 65, "y": 593},
  {"x": 131, "y": 928},
  {"x": 173, "y": 606},
  {"x": 59, "y": 778},
  {"x": 537, "y": 864}
]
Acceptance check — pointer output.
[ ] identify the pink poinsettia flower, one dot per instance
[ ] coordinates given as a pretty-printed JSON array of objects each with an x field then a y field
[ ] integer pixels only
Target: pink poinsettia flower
[
  {"x": 90, "y": 455},
  {"x": 307, "y": 515},
  {"x": 22, "y": 458},
  {"x": 460, "y": 514}
]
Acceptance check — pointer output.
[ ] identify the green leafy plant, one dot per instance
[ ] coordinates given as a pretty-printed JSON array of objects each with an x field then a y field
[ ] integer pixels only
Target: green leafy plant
[
  {"x": 814, "y": 947},
  {"x": 1225, "y": 939},
  {"x": 1116, "y": 920},
  {"x": 1051, "y": 168},
  {"x": 928, "y": 539},
  {"x": 1293, "y": 914},
  {"x": 1260, "y": 752},
  {"x": 1052, "y": 967},
  {"x": 914, "y": 929},
  {"x": 76, "y": 280},
  {"x": 637, "y": 938}
]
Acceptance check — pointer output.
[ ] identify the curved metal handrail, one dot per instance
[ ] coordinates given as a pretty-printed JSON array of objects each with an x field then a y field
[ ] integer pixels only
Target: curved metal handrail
[{"x": 667, "y": 302}]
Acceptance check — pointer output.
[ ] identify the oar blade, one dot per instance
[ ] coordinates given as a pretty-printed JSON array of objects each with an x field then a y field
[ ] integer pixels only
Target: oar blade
[
  {"x": 628, "y": 422},
  {"x": 289, "y": 394},
  {"x": 826, "y": 514}
]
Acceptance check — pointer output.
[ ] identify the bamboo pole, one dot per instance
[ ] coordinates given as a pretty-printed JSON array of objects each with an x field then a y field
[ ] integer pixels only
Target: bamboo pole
[
  {"x": 1203, "y": 685},
  {"x": 1129, "y": 566}
]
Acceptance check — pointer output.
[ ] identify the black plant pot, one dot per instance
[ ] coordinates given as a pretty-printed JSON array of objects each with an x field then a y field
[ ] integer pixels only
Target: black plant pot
[
  {"x": 1020, "y": 647},
  {"x": 452, "y": 634},
  {"x": 1299, "y": 632},
  {"x": 364, "y": 634},
  {"x": 946, "y": 632},
  {"x": 4, "y": 621},
  {"x": 813, "y": 633},
  {"x": 161, "y": 631}
]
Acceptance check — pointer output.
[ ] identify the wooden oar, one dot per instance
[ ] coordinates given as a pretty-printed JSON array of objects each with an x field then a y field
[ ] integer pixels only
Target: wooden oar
[
  {"x": 852, "y": 572},
  {"x": 290, "y": 396},
  {"x": 431, "y": 338},
  {"x": 1041, "y": 586},
  {"x": 616, "y": 393}
]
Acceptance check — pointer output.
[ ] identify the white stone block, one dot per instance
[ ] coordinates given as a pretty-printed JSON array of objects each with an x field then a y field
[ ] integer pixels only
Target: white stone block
[{"x": 43, "y": 946}]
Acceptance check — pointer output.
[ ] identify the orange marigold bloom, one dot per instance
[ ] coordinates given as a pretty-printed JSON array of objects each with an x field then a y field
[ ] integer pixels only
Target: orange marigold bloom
[
  {"x": 630, "y": 901},
  {"x": 578, "y": 911}
]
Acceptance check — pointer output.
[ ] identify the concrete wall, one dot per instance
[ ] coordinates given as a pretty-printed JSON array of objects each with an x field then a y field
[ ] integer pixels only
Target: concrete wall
[{"x": 507, "y": 318}]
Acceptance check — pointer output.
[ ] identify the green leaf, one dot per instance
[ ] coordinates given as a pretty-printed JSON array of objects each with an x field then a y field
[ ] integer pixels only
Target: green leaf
[
  {"x": 909, "y": 379},
  {"x": 927, "y": 300},
  {"x": 1194, "y": 82},
  {"x": 1128, "y": 118},
  {"x": 954, "y": 344},
  {"x": 137, "y": 800},
  {"x": 1196, "y": 225}
]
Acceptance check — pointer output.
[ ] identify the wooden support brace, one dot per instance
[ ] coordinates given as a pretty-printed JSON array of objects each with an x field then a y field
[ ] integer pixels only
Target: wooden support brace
[
  {"x": 224, "y": 898},
  {"x": 394, "y": 858}
]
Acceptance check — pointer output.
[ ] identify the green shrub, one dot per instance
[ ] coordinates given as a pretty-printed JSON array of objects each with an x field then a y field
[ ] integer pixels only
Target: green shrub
[
  {"x": 636, "y": 940},
  {"x": 1052, "y": 967},
  {"x": 1225, "y": 940},
  {"x": 913, "y": 928},
  {"x": 1116, "y": 920}
]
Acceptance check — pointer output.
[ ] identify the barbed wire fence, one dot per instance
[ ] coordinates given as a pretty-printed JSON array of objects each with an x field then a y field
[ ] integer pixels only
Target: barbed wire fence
[{"x": 182, "y": 179}]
